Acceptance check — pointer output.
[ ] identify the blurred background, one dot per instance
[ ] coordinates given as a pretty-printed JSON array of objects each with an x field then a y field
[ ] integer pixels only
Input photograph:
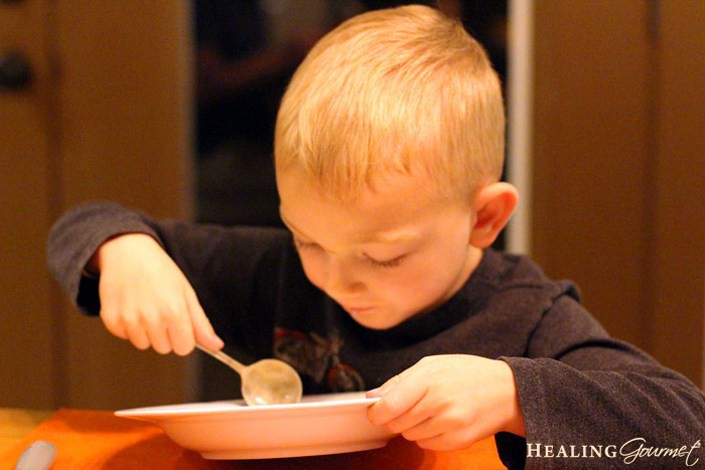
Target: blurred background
[{"x": 169, "y": 107}]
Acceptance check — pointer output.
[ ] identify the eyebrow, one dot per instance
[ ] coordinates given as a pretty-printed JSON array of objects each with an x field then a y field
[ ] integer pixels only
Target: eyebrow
[
  {"x": 402, "y": 235},
  {"x": 394, "y": 236}
]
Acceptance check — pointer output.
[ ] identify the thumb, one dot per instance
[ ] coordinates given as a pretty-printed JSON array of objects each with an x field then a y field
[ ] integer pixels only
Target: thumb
[
  {"x": 397, "y": 396},
  {"x": 203, "y": 331}
]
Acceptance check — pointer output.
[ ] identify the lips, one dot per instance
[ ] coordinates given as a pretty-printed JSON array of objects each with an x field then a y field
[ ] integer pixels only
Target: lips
[
  {"x": 371, "y": 317},
  {"x": 357, "y": 310}
]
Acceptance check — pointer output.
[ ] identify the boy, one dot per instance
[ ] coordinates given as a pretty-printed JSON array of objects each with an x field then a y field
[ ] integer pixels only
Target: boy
[{"x": 388, "y": 151}]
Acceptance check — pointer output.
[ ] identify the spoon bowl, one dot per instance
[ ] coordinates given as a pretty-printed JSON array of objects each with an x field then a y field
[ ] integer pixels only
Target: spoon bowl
[{"x": 265, "y": 382}]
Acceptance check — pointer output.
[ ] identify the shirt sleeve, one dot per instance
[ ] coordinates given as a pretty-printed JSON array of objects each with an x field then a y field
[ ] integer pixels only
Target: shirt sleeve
[
  {"x": 74, "y": 239},
  {"x": 578, "y": 387},
  {"x": 234, "y": 270}
]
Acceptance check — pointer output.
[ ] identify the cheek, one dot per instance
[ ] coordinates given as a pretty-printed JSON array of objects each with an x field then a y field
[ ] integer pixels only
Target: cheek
[
  {"x": 313, "y": 268},
  {"x": 399, "y": 286},
  {"x": 422, "y": 284},
  {"x": 404, "y": 295}
]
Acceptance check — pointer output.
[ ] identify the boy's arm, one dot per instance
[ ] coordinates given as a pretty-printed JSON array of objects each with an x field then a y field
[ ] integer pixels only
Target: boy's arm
[
  {"x": 215, "y": 260},
  {"x": 125, "y": 274},
  {"x": 579, "y": 386}
]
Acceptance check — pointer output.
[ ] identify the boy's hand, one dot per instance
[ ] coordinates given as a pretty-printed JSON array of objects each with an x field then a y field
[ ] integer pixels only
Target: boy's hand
[
  {"x": 146, "y": 299},
  {"x": 449, "y": 402}
]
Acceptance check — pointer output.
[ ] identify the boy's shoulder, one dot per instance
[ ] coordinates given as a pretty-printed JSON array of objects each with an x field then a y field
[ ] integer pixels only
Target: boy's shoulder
[{"x": 518, "y": 278}]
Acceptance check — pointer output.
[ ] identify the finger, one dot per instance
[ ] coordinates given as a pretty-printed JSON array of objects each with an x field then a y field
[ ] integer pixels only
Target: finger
[
  {"x": 181, "y": 335},
  {"x": 439, "y": 433},
  {"x": 137, "y": 335},
  {"x": 416, "y": 417},
  {"x": 441, "y": 442},
  {"x": 156, "y": 326},
  {"x": 423, "y": 431},
  {"x": 113, "y": 324},
  {"x": 203, "y": 330},
  {"x": 398, "y": 395},
  {"x": 448, "y": 441}
]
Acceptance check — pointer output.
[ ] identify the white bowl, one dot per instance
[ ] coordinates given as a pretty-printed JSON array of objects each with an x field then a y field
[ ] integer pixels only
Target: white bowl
[{"x": 318, "y": 425}]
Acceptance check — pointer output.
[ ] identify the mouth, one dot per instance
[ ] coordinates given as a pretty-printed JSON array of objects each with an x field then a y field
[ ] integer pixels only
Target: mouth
[
  {"x": 357, "y": 310},
  {"x": 373, "y": 317}
]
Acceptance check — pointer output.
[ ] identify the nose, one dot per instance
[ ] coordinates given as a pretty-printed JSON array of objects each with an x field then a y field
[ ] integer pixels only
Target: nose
[{"x": 341, "y": 279}]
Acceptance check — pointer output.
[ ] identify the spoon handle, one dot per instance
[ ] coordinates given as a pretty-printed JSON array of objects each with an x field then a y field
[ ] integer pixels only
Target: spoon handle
[
  {"x": 38, "y": 456},
  {"x": 238, "y": 367}
]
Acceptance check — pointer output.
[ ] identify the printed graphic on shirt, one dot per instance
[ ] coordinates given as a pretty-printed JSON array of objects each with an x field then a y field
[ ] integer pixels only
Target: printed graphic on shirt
[{"x": 317, "y": 357}]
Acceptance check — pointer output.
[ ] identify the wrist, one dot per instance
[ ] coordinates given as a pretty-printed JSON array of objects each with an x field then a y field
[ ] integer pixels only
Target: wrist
[
  {"x": 115, "y": 246},
  {"x": 514, "y": 419}
]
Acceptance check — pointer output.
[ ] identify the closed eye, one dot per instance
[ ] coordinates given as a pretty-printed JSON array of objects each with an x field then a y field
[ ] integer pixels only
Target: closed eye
[{"x": 391, "y": 263}]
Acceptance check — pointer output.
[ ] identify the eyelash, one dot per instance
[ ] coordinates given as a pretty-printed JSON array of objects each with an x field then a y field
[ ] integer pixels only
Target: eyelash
[{"x": 392, "y": 263}]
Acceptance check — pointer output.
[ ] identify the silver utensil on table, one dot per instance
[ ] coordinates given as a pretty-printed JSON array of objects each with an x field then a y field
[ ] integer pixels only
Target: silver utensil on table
[{"x": 37, "y": 456}]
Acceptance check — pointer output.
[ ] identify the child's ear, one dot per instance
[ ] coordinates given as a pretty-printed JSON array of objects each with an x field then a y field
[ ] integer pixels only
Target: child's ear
[{"x": 494, "y": 204}]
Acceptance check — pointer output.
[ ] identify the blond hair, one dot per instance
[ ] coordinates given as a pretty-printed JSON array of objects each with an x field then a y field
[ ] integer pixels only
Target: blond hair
[{"x": 403, "y": 90}]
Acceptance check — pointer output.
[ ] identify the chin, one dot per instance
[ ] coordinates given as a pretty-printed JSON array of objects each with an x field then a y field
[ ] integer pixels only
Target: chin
[{"x": 373, "y": 320}]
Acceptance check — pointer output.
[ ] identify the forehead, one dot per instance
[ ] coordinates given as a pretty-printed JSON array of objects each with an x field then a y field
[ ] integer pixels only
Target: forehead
[{"x": 389, "y": 211}]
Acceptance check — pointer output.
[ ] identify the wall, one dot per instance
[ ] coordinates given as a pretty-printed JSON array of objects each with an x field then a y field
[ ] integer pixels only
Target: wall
[
  {"x": 619, "y": 163},
  {"x": 107, "y": 116}
]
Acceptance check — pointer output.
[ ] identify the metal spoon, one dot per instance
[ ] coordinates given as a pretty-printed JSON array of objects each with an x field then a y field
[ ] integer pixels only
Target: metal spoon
[{"x": 266, "y": 382}]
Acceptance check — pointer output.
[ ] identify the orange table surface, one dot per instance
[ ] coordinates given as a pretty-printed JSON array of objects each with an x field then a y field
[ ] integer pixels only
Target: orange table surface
[{"x": 97, "y": 439}]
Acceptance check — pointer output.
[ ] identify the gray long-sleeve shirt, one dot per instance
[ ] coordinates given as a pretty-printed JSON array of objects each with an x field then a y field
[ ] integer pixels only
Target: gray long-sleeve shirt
[{"x": 588, "y": 400}]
